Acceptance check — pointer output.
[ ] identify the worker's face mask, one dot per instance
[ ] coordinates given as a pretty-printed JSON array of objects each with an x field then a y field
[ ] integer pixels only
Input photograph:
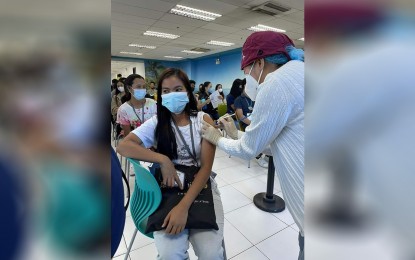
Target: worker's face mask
[
  {"x": 139, "y": 93},
  {"x": 251, "y": 88},
  {"x": 175, "y": 101}
]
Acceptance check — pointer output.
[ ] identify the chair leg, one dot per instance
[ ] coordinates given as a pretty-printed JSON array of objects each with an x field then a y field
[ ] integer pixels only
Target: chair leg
[
  {"x": 131, "y": 244},
  {"x": 249, "y": 164}
]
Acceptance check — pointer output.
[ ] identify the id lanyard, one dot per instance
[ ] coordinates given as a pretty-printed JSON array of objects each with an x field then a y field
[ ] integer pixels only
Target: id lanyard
[
  {"x": 142, "y": 113},
  {"x": 184, "y": 141}
]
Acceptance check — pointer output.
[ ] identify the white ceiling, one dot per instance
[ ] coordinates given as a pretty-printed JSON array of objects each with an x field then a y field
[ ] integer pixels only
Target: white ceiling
[{"x": 131, "y": 18}]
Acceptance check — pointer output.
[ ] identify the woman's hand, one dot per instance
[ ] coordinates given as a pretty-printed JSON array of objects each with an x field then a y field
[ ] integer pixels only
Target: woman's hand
[
  {"x": 176, "y": 220},
  {"x": 169, "y": 174}
]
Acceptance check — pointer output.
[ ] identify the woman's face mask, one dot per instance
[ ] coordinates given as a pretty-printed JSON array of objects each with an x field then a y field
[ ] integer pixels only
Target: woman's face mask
[
  {"x": 139, "y": 93},
  {"x": 251, "y": 88},
  {"x": 121, "y": 88},
  {"x": 175, "y": 101}
]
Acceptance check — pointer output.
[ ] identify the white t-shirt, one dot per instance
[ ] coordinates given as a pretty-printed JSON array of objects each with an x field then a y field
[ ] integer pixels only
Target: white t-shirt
[
  {"x": 146, "y": 134},
  {"x": 126, "y": 115}
]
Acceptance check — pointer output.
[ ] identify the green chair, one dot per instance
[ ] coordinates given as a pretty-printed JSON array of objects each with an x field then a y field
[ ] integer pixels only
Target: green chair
[
  {"x": 145, "y": 200},
  {"x": 222, "y": 108}
]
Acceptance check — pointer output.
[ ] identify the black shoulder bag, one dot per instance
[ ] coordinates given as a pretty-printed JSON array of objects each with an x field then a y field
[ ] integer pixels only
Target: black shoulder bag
[{"x": 201, "y": 214}]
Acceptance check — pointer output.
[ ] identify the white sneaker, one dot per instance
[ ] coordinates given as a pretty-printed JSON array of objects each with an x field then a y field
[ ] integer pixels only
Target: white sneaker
[{"x": 261, "y": 162}]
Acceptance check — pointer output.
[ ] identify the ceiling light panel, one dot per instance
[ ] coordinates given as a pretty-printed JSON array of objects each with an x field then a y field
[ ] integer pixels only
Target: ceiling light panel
[
  {"x": 161, "y": 35},
  {"x": 174, "y": 57},
  {"x": 261, "y": 27},
  {"x": 194, "y": 13},
  {"x": 220, "y": 43},
  {"x": 133, "y": 53},
  {"x": 141, "y": 46},
  {"x": 193, "y": 52},
  {"x": 301, "y": 39}
]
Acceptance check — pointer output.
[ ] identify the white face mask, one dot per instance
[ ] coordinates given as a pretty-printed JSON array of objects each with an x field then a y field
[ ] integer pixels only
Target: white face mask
[
  {"x": 121, "y": 89},
  {"x": 220, "y": 90},
  {"x": 251, "y": 88}
]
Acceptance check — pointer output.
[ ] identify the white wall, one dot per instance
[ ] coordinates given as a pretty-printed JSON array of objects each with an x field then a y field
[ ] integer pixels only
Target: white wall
[{"x": 128, "y": 69}]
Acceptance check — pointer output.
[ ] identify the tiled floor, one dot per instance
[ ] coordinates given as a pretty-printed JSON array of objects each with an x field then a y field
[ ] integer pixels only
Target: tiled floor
[{"x": 257, "y": 235}]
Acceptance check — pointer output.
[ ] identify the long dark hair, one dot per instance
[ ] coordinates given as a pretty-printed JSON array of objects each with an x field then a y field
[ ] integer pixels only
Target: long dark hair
[
  {"x": 236, "y": 89},
  {"x": 205, "y": 85},
  {"x": 164, "y": 134},
  {"x": 221, "y": 93},
  {"x": 128, "y": 82},
  {"x": 116, "y": 86}
]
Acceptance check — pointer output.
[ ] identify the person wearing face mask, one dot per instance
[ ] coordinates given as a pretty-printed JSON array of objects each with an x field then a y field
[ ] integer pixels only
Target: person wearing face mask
[
  {"x": 176, "y": 133},
  {"x": 117, "y": 100},
  {"x": 138, "y": 109},
  {"x": 220, "y": 89},
  {"x": 204, "y": 103},
  {"x": 274, "y": 71}
]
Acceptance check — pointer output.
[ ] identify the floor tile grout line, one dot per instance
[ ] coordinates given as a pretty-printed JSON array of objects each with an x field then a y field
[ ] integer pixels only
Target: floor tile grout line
[
  {"x": 281, "y": 219},
  {"x": 239, "y": 233},
  {"x": 261, "y": 252},
  {"x": 241, "y": 252},
  {"x": 271, "y": 236}
]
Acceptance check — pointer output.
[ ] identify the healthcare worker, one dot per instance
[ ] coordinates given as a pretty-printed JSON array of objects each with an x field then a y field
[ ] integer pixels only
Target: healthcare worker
[{"x": 274, "y": 71}]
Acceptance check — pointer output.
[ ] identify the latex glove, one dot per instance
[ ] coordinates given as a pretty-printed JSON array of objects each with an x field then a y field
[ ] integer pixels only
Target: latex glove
[
  {"x": 210, "y": 133},
  {"x": 229, "y": 126}
]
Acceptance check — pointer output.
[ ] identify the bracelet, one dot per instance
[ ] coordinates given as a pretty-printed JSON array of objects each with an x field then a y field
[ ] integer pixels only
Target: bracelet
[{"x": 243, "y": 118}]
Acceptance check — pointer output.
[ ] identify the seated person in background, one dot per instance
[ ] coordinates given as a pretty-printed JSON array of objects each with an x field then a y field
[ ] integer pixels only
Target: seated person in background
[
  {"x": 116, "y": 101},
  {"x": 138, "y": 109},
  {"x": 235, "y": 92},
  {"x": 151, "y": 90},
  {"x": 178, "y": 106},
  {"x": 204, "y": 103},
  {"x": 243, "y": 108},
  {"x": 220, "y": 89}
]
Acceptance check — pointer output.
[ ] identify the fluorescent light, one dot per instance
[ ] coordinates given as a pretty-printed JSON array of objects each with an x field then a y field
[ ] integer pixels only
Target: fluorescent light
[
  {"x": 173, "y": 57},
  {"x": 193, "y": 52},
  {"x": 134, "y": 53},
  {"x": 301, "y": 39},
  {"x": 141, "y": 46},
  {"x": 261, "y": 27},
  {"x": 194, "y": 13},
  {"x": 161, "y": 35},
  {"x": 220, "y": 43}
]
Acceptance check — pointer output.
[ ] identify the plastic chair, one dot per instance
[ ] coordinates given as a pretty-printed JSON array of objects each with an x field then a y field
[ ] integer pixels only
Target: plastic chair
[
  {"x": 222, "y": 108},
  {"x": 145, "y": 200}
]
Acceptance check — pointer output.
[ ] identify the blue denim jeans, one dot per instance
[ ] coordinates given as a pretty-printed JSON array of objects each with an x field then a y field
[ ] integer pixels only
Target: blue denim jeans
[{"x": 207, "y": 244}]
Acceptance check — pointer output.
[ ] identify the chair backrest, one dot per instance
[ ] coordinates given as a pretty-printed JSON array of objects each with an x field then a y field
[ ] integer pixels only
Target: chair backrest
[
  {"x": 222, "y": 108},
  {"x": 146, "y": 197}
]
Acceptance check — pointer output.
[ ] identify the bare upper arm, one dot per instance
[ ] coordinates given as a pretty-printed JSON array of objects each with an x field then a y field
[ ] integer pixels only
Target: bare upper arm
[
  {"x": 207, "y": 153},
  {"x": 133, "y": 138}
]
